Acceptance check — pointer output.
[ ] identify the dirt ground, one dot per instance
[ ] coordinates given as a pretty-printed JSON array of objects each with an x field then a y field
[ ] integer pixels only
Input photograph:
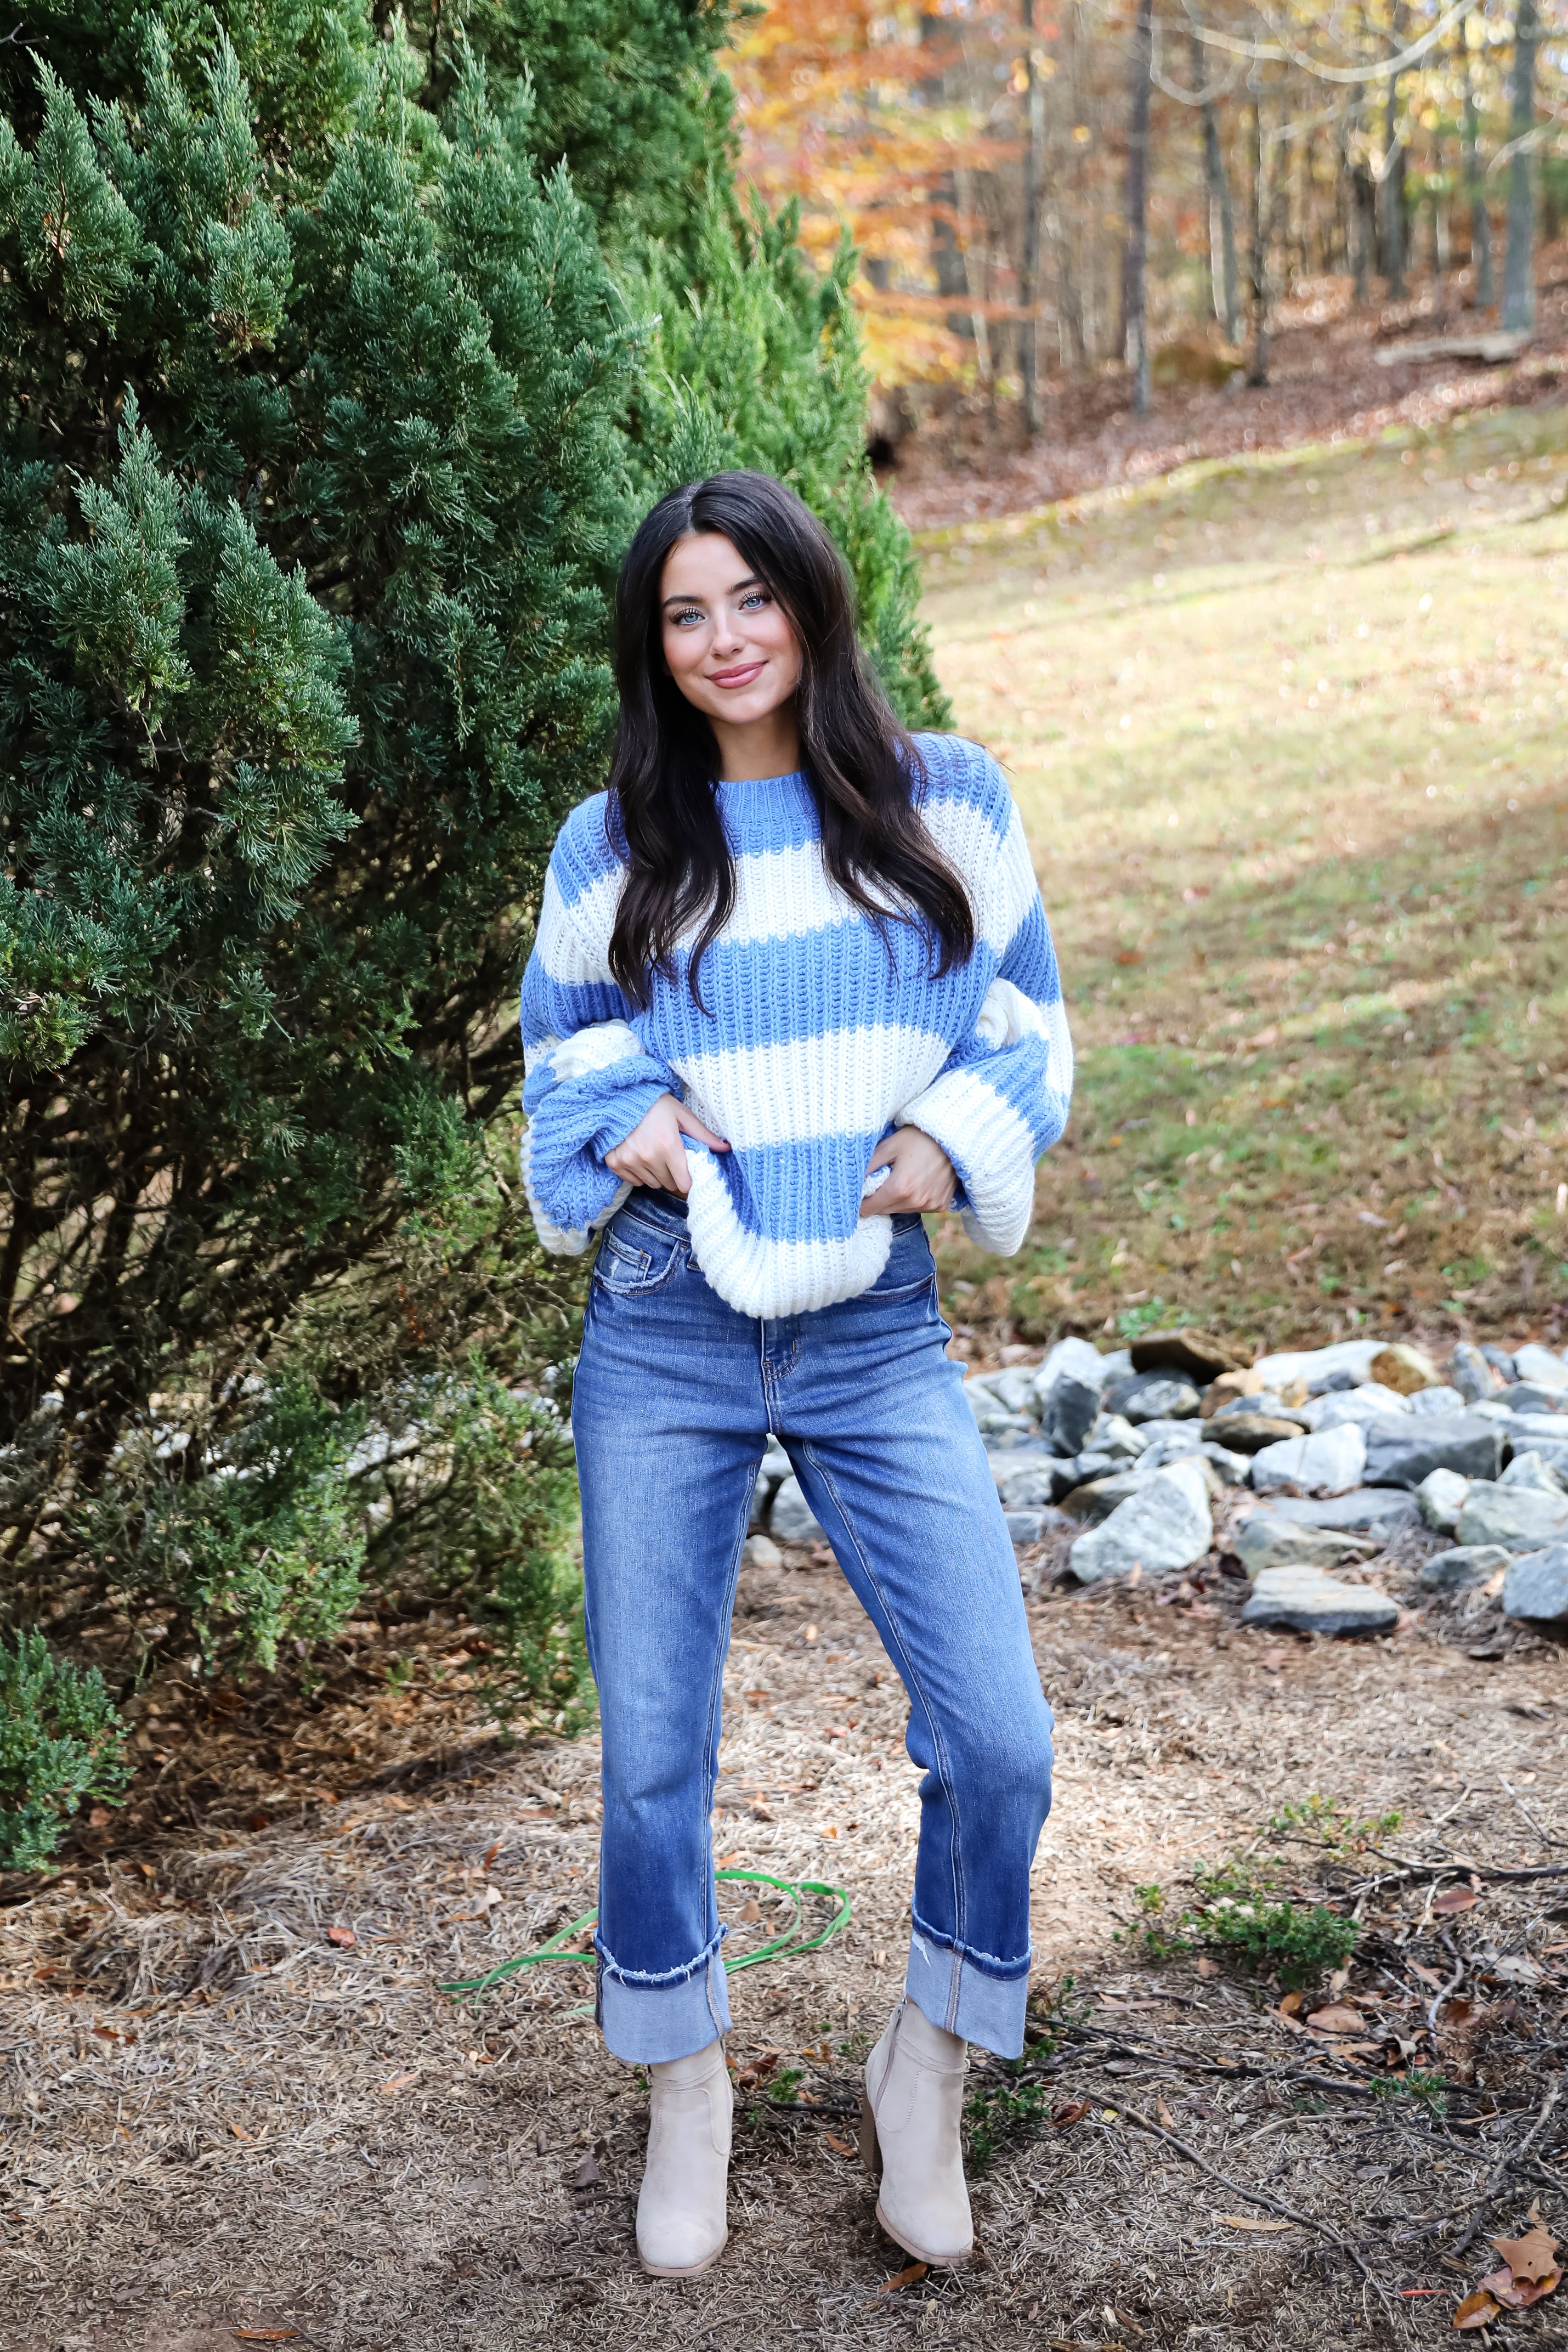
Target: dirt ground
[
  {"x": 1326, "y": 382},
  {"x": 237, "y": 2099}
]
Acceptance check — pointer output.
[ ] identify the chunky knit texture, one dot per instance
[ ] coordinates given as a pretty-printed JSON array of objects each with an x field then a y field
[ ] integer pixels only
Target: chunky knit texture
[{"x": 821, "y": 1038}]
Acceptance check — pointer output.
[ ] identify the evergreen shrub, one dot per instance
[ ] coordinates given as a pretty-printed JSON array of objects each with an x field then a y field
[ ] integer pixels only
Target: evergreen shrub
[{"x": 338, "y": 360}]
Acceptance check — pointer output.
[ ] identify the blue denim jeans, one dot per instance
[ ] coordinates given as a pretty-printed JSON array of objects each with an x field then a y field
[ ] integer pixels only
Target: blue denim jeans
[{"x": 674, "y": 1397}]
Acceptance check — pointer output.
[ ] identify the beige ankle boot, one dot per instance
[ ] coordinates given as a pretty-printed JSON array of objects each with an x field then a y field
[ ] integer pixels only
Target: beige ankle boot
[
  {"x": 910, "y": 2116},
  {"x": 680, "y": 2223}
]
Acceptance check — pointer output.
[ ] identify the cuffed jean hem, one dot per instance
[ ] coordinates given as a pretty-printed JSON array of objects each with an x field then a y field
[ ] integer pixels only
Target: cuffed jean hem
[
  {"x": 954, "y": 1993},
  {"x": 648, "y": 2024}
]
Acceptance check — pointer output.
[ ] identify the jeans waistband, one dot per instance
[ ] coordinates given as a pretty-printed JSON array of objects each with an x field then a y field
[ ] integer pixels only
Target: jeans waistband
[{"x": 658, "y": 1207}]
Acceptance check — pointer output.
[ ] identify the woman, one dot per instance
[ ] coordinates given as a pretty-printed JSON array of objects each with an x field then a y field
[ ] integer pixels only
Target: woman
[{"x": 792, "y": 986}]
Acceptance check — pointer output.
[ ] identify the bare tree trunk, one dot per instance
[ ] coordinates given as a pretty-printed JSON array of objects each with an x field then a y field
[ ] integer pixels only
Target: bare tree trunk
[
  {"x": 1135, "y": 252},
  {"x": 1393, "y": 189},
  {"x": 947, "y": 260},
  {"x": 1221, "y": 211},
  {"x": 1481, "y": 285},
  {"x": 1029, "y": 271},
  {"x": 1258, "y": 259},
  {"x": 1518, "y": 255}
]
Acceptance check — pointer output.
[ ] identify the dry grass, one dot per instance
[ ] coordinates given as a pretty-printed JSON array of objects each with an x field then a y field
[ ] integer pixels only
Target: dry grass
[{"x": 1288, "y": 733}]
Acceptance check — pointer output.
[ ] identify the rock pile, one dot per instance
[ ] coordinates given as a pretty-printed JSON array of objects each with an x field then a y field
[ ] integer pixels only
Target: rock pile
[{"x": 1343, "y": 1447}]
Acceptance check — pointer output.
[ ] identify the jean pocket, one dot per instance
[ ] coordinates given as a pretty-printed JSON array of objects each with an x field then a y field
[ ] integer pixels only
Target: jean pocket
[
  {"x": 635, "y": 1257},
  {"x": 910, "y": 1268}
]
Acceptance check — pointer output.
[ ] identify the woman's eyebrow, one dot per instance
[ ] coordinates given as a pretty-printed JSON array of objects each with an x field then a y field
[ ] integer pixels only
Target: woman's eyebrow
[{"x": 736, "y": 588}]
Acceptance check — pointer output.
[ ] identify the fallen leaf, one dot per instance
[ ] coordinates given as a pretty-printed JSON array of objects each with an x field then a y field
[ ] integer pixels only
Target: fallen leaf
[
  {"x": 1290, "y": 2004},
  {"x": 240, "y": 2132},
  {"x": 1251, "y": 2221},
  {"x": 842, "y": 2147},
  {"x": 1071, "y": 2113},
  {"x": 399, "y": 2081},
  {"x": 490, "y": 1857},
  {"x": 749, "y": 1912},
  {"x": 1533, "y": 2256},
  {"x": 400, "y": 1804},
  {"x": 1205, "y": 1966},
  {"x": 588, "y": 2175},
  {"x": 1164, "y": 2113},
  {"x": 1428, "y": 1976},
  {"x": 1337, "y": 2018},
  {"x": 911, "y": 2275},
  {"x": 1129, "y": 955},
  {"x": 1455, "y": 1898},
  {"x": 344, "y": 1937},
  {"x": 1476, "y": 2310}
]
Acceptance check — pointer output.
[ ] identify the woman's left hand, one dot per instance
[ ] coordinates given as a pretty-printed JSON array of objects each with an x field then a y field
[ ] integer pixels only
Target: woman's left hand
[{"x": 921, "y": 1175}]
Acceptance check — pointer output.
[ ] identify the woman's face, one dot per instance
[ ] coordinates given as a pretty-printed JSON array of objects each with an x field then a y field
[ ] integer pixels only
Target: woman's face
[{"x": 728, "y": 644}]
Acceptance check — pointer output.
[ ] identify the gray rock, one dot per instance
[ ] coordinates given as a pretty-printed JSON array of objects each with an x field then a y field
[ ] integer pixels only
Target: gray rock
[
  {"x": 1537, "y": 1585},
  {"x": 1014, "y": 1387},
  {"x": 1441, "y": 1495},
  {"x": 1088, "y": 1467},
  {"x": 1467, "y": 1564},
  {"x": 1030, "y": 1527},
  {"x": 1330, "y": 1383},
  {"x": 1369, "y": 1402},
  {"x": 1521, "y": 1519},
  {"x": 1166, "y": 1525},
  {"x": 1114, "y": 1435},
  {"x": 1470, "y": 1373},
  {"x": 1329, "y": 1462},
  {"x": 1529, "y": 1396},
  {"x": 1500, "y": 1360},
  {"x": 1438, "y": 1399},
  {"x": 1153, "y": 1396},
  {"x": 791, "y": 1519},
  {"x": 1067, "y": 1392},
  {"x": 1100, "y": 1496},
  {"x": 1230, "y": 1468},
  {"x": 761, "y": 1551},
  {"x": 1530, "y": 1469},
  {"x": 1381, "y": 1510},
  {"x": 992, "y": 1417},
  {"x": 1309, "y": 1601},
  {"x": 1264, "y": 1541},
  {"x": 1029, "y": 1478},
  {"x": 1539, "y": 1364},
  {"x": 1401, "y": 1451},
  {"x": 1185, "y": 1438}
]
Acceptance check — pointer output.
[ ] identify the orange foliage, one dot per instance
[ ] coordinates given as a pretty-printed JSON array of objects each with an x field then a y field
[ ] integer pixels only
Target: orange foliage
[{"x": 842, "y": 109}]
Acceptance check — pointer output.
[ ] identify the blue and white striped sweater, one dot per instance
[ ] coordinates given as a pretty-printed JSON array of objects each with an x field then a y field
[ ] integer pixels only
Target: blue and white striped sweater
[{"x": 816, "y": 1046}]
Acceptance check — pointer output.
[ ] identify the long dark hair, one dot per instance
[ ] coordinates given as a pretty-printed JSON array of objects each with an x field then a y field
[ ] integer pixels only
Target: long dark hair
[{"x": 861, "y": 766}]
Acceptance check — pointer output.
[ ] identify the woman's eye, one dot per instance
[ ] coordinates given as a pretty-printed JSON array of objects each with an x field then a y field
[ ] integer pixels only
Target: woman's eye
[
  {"x": 758, "y": 596},
  {"x": 679, "y": 620}
]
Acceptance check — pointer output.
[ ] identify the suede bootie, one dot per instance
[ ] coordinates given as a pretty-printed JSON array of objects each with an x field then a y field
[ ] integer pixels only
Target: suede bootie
[
  {"x": 910, "y": 2119},
  {"x": 681, "y": 2224}
]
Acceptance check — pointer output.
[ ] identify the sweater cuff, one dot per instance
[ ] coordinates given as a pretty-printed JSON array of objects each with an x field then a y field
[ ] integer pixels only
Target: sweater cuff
[{"x": 992, "y": 1151}]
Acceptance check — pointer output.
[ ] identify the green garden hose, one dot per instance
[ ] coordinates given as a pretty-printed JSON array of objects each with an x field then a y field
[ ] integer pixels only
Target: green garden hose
[{"x": 781, "y": 1948}]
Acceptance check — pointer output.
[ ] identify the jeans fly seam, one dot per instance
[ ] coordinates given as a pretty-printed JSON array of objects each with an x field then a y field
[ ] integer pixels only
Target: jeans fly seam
[{"x": 912, "y": 1681}]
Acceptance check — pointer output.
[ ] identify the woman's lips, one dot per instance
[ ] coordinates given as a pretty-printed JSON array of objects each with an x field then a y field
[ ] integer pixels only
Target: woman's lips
[{"x": 741, "y": 676}]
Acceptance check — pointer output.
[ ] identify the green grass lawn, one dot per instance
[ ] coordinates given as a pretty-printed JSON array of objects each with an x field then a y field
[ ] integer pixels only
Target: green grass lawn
[{"x": 1290, "y": 738}]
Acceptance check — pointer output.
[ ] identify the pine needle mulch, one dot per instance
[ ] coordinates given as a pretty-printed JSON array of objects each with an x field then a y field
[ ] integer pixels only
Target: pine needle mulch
[{"x": 239, "y": 2109}]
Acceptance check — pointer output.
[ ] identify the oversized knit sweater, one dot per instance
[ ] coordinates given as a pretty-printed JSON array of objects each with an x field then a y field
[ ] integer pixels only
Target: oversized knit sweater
[{"x": 820, "y": 1039}]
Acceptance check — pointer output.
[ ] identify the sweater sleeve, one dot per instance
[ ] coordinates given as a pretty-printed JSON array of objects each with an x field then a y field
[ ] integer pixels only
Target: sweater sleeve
[
  {"x": 1001, "y": 1098},
  {"x": 589, "y": 1077}
]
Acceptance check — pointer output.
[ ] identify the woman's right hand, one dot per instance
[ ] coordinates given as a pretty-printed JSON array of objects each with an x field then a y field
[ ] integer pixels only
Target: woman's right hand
[{"x": 654, "y": 1153}]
